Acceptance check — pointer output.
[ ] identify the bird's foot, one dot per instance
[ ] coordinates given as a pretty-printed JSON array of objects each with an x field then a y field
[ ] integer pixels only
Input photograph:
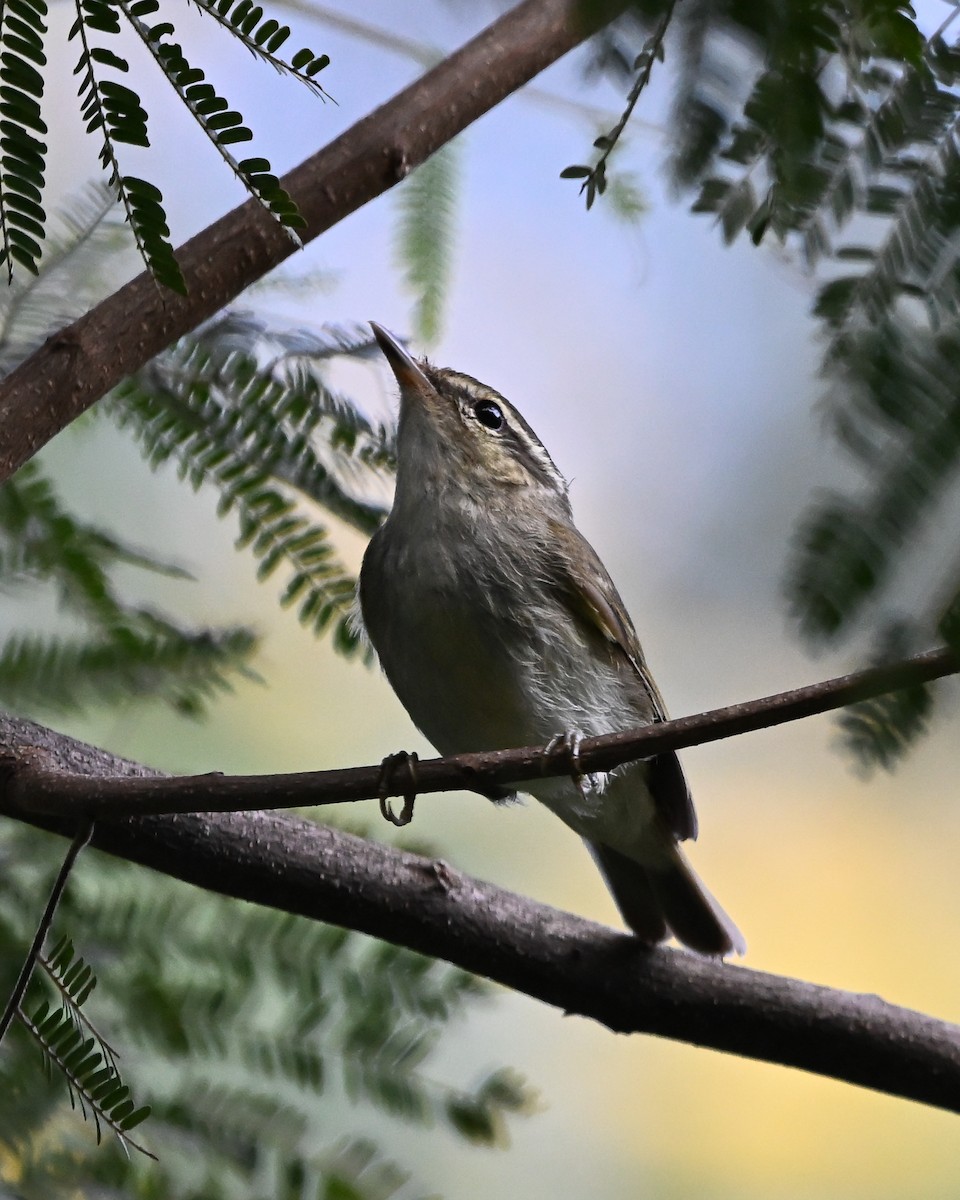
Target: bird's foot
[
  {"x": 569, "y": 741},
  {"x": 387, "y": 769}
]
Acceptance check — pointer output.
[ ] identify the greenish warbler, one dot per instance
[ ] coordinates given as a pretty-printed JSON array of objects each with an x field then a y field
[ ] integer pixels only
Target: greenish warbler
[{"x": 498, "y": 626}]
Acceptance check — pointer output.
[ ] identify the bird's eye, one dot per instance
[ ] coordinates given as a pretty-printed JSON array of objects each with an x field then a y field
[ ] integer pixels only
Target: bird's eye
[{"x": 488, "y": 413}]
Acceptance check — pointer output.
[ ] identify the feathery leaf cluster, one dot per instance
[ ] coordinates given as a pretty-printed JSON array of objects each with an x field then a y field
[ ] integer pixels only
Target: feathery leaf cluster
[
  {"x": 72, "y": 1047},
  {"x": 113, "y": 110},
  {"x": 835, "y": 129},
  {"x": 123, "y": 651},
  {"x": 426, "y": 202},
  {"x": 236, "y": 405},
  {"x": 880, "y": 731},
  {"x": 22, "y": 128},
  {"x": 115, "y": 651},
  {"x": 77, "y": 270},
  {"x": 246, "y": 1044},
  {"x": 275, "y": 440}
]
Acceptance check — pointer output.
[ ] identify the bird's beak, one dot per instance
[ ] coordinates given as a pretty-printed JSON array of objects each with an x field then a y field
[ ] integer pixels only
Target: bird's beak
[{"x": 408, "y": 371}]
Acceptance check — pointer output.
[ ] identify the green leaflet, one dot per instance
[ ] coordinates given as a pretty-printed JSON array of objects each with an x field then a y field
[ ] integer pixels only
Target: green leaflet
[
  {"x": 112, "y": 110},
  {"x": 426, "y": 205},
  {"x": 222, "y": 126},
  {"x": 23, "y": 157},
  {"x": 74, "y": 1049}
]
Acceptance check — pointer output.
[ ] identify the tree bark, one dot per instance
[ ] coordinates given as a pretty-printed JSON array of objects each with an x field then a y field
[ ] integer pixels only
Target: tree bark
[
  {"x": 83, "y": 361},
  {"x": 575, "y": 965}
]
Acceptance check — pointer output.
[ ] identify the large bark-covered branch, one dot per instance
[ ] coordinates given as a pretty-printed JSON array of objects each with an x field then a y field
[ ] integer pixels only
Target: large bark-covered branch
[
  {"x": 78, "y": 365},
  {"x": 576, "y": 965},
  {"x": 37, "y": 788}
]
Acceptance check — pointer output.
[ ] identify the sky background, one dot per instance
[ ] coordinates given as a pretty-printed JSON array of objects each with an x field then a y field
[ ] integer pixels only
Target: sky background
[{"x": 674, "y": 382}]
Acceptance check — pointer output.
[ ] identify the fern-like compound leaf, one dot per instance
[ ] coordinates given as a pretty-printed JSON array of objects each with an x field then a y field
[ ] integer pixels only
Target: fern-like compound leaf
[{"x": 22, "y": 128}]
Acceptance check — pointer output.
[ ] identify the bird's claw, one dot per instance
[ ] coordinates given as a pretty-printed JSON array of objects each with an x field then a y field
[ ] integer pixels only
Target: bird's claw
[
  {"x": 569, "y": 741},
  {"x": 387, "y": 769}
]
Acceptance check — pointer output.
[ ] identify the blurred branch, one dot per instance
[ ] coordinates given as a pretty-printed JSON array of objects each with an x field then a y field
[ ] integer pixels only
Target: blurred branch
[
  {"x": 82, "y": 362},
  {"x": 426, "y": 54},
  {"x": 389, "y": 40},
  {"x": 573, "y": 964},
  {"x": 35, "y": 787}
]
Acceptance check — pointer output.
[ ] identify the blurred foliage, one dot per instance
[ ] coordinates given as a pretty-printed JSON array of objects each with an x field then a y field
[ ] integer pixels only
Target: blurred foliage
[
  {"x": 237, "y": 406},
  {"x": 248, "y": 411},
  {"x": 122, "y": 650},
  {"x": 81, "y": 250},
  {"x": 880, "y": 731},
  {"x": 264, "y": 1044},
  {"x": 106, "y": 650},
  {"x": 261, "y": 1056},
  {"x": 426, "y": 203},
  {"x": 113, "y": 111},
  {"x": 834, "y": 128}
]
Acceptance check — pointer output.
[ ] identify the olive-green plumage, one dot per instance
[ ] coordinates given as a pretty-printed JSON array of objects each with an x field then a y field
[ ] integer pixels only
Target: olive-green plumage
[{"x": 498, "y": 626}]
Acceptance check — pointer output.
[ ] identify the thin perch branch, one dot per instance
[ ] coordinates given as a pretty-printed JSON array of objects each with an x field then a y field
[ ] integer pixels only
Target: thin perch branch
[
  {"x": 34, "y": 788},
  {"x": 575, "y": 965}
]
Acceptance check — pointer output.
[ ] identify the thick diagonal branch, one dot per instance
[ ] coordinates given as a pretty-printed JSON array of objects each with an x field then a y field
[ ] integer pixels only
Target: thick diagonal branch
[
  {"x": 575, "y": 965},
  {"x": 83, "y": 361}
]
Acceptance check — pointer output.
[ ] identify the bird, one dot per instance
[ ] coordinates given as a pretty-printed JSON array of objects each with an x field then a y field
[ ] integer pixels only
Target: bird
[{"x": 498, "y": 626}]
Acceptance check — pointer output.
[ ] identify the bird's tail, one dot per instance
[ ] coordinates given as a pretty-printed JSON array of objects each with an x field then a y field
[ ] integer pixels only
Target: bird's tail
[{"x": 667, "y": 897}]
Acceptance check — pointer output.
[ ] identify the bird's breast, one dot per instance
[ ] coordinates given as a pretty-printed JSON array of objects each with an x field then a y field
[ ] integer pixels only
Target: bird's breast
[{"x": 480, "y": 654}]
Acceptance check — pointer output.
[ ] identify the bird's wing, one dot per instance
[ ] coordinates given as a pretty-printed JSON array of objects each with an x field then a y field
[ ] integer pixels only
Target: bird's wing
[{"x": 595, "y": 601}]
